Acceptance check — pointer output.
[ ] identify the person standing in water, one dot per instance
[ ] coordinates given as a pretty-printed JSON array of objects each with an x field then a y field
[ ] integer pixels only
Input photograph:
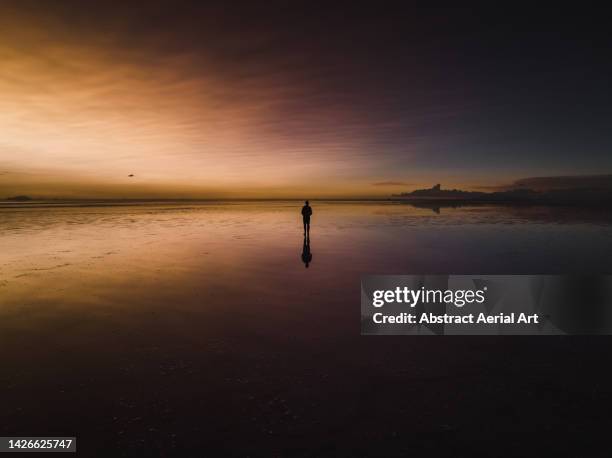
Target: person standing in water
[{"x": 306, "y": 212}]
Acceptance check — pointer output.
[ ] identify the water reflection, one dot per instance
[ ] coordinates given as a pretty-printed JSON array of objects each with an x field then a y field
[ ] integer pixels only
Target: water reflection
[
  {"x": 72, "y": 254},
  {"x": 163, "y": 312},
  {"x": 528, "y": 212},
  {"x": 306, "y": 253}
]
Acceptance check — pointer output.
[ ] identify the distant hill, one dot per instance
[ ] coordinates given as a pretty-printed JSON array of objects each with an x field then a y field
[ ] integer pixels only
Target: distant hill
[
  {"x": 577, "y": 195},
  {"x": 437, "y": 192},
  {"x": 20, "y": 198}
]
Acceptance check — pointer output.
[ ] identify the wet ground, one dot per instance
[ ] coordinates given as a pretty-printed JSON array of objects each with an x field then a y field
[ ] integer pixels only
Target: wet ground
[{"x": 176, "y": 330}]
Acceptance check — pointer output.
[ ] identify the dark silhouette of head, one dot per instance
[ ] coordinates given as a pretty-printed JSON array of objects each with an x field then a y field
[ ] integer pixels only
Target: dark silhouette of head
[{"x": 306, "y": 202}]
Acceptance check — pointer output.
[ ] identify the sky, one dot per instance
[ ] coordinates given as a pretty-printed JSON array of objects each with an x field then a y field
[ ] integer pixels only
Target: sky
[{"x": 264, "y": 99}]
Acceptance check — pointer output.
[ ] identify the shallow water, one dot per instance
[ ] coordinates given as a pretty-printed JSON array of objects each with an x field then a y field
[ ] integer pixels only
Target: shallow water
[
  {"x": 74, "y": 250},
  {"x": 141, "y": 324}
]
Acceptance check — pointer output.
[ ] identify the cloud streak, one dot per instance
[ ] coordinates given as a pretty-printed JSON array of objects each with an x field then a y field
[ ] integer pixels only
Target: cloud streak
[{"x": 391, "y": 183}]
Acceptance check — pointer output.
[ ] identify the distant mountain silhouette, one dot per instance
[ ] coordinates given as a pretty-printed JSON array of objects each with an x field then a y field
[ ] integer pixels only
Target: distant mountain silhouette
[
  {"x": 436, "y": 191},
  {"x": 20, "y": 198},
  {"x": 572, "y": 195}
]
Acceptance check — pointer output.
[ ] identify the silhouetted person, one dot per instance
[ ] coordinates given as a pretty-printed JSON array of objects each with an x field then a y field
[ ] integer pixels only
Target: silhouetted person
[
  {"x": 306, "y": 254},
  {"x": 306, "y": 212}
]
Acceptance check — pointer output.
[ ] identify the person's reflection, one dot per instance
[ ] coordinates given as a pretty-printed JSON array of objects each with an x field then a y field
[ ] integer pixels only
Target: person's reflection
[{"x": 306, "y": 254}]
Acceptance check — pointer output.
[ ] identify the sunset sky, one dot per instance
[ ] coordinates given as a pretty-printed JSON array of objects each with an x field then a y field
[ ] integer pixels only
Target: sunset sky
[{"x": 265, "y": 99}]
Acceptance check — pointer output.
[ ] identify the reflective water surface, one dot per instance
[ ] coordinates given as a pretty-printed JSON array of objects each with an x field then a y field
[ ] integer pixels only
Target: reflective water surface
[{"x": 149, "y": 324}]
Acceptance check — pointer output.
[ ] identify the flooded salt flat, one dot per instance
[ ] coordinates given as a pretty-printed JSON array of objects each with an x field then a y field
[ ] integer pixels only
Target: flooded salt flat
[
  {"x": 151, "y": 322},
  {"x": 62, "y": 252}
]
